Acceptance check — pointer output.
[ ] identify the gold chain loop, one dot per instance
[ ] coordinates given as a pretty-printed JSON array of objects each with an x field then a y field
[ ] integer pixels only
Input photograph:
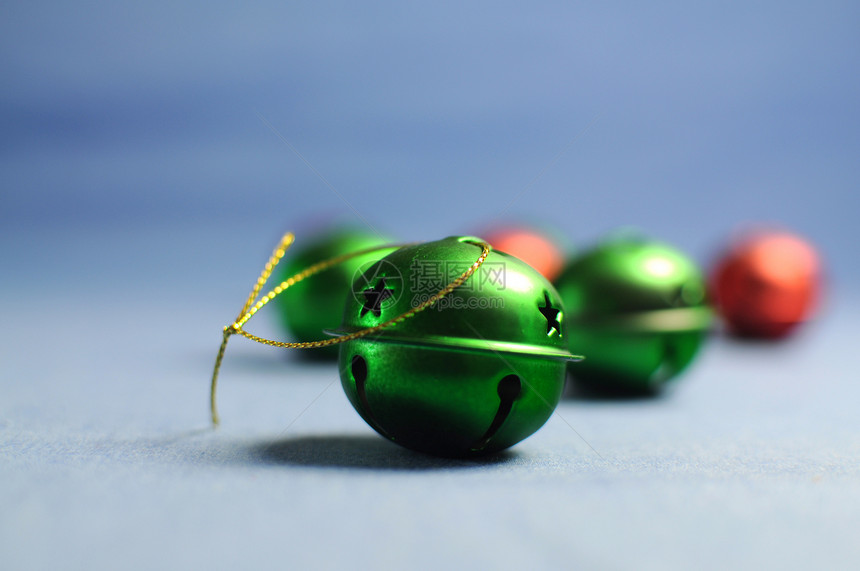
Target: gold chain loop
[{"x": 253, "y": 305}]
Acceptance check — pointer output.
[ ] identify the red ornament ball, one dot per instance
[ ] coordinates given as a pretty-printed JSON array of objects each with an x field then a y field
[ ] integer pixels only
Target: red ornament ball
[
  {"x": 767, "y": 284},
  {"x": 530, "y": 246}
]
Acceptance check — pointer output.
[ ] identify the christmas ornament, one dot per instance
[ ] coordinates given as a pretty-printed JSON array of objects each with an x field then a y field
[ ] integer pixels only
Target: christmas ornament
[
  {"x": 533, "y": 247},
  {"x": 637, "y": 310},
  {"x": 448, "y": 348},
  {"x": 478, "y": 372},
  {"x": 767, "y": 284}
]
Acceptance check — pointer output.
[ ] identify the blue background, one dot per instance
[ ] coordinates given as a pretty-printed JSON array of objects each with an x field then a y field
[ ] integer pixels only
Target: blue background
[{"x": 684, "y": 121}]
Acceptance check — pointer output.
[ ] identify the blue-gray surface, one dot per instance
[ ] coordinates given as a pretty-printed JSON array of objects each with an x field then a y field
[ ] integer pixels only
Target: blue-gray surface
[
  {"x": 107, "y": 460},
  {"x": 151, "y": 154}
]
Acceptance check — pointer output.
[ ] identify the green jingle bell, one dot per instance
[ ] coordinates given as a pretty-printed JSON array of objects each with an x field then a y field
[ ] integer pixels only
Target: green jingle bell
[
  {"x": 476, "y": 372},
  {"x": 637, "y": 310},
  {"x": 316, "y": 303}
]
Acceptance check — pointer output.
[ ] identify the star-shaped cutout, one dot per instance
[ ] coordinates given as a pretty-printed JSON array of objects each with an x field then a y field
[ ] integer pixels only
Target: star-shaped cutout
[
  {"x": 373, "y": 298},
  {"x": 552, "y": 314}
]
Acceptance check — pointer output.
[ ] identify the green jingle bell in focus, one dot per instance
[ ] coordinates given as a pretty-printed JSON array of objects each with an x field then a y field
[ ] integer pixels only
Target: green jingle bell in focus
[
  {"x": 637, "y": 310},
  {"x": 316, "y": 303},
  {"x": 476, "y": 372}
]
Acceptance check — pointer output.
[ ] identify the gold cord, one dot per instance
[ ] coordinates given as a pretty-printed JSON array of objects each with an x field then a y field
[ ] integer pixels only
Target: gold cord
[{"x": 252, "y": 305}]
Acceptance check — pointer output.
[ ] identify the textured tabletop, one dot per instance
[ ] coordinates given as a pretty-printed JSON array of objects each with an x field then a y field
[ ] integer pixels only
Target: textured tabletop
[{"x": 108, "y": 460}]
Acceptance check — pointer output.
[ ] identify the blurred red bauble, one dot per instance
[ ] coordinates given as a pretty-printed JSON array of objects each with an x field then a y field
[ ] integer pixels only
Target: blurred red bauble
[
  {"x": 530, "y": 246},
  {"x": 767, "y": 284}
]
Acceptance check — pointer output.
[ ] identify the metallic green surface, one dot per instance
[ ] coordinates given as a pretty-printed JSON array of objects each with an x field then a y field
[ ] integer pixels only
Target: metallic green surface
[
  {"x": 476, "y": 373},
  {"x": 316, "y": 303},
  {"x": 637, "y": 310}
]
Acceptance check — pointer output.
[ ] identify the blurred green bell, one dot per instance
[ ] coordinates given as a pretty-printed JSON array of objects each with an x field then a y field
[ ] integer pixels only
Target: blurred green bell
[
  {"x": 636, "y": 309},
  {"x": 316, "y": 303},
  {"x": 476, "y": 372}
]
